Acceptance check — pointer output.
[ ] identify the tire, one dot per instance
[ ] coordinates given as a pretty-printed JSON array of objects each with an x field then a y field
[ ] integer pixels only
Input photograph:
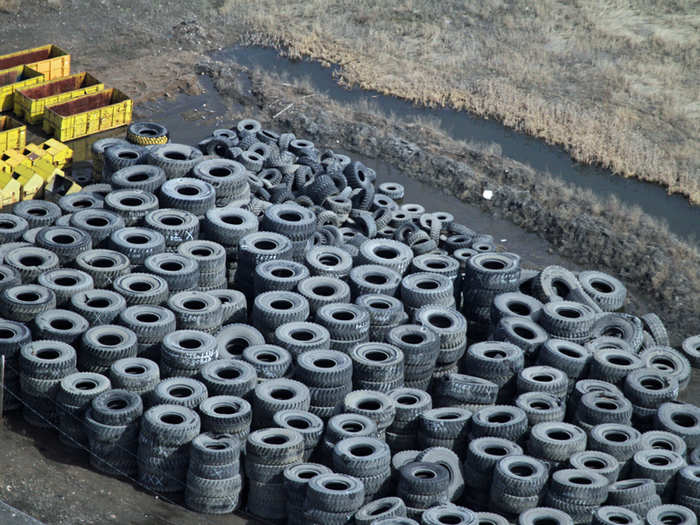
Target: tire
[
  {"x": 343, "y": 426},
  {"x": 37, "y": 213},
  {"x": 567, "y": 319},
  {"x": 279, "y": 275},
  {"x": 420, "y": 289},
  {"x": 12, "y": 227},
  {"x": 183, "y": 391},
  {"x": 147, "y": 133},
  {"x": 65, "y": 242},
  {"x": 569, "y": 357},
  {"x": 537, "y": 515},
  {"x": 79, "y": 389},
  {"x": 519, "y": 476},
  {"x": 150, "y": 323},
  {"x": 373, "y": 404},
  {"x": 22, "y": 303},
  {"x": 659, "y": 465},
  {"x": 681, "y": 419},
  {"x": 541, "y": 407},
  {"x": 607, "y": 291},
  {"x": 227, "y": 226},
  {"x": 116, "y": 407},
  {"x": 134, "y": 374},
  {"x": 65, "y": 283},
  {"x": 119, "y": 156},
  {"x": 59, "y": 325},
  {"x": 139, "y": 177},
  {"x": 386, "y": 252},
  {"x": 196, "y": 311},
  {"x": 344, "y": 321},
  {"x": 177, "y": 160},
  {"x": 676, "y": 513},
  {"x": 181, "y": 273},
  {"x": 554, "y": 283},
  {"x": 299, "y": 337},
  {"x": 30, "y": 262},
  {"x": 270, "y": 361},
  {"x": 450, "y": 462},
  {"x": 335, "y": 493},
  {"x": 137, "y": 243},
  {"x": 211, "y": 256},
  {"x": 99, "y": 224},
  {"x": 363, "y": 456},
  {"x": 620, "y": 441},
  {"x": 379, "y": 510},
  {"x": 274, "y": 446},
  {"x": 486, "y": 422},
  {"x": 98, "y": 306},
  {"x": 691, "y": 350},
  {"x": 320, "y": 291},
  {"x": 278, "y": 394},
  {"x": 187, "y": 351},
  {"x": 543, "y": 379},
  {"x": 613, "y": 365},
  {"x": 229, "y": 377},
  {"x": 627, "y": 328},
  {"x": 420, "y": 345},
  {"x": 669, "y": 362},
  {"x": 103, "y": 266},
  {"x": 445, "y": 423},
  {"x": 228, "y": 177},
  {"x": 522, "y": 332},
  {"x": 176, "y": 226},
  {"x": 170, "y": 425},
  {"x": 290, "y": 220},
  {"x": 9, "y": 277},
  {"x": 234, "y": 338},
  {"x": 188, "y": 194},
  {"x": 647, "y": 387},
  {"x": 374, "y": 279},
  {"x": 142, "y": 289},
  {"x": 75, "y": 202}
]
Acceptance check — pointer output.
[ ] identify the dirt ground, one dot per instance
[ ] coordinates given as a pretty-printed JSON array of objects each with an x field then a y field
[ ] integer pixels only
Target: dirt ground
[{"x": 150, "y": 50}]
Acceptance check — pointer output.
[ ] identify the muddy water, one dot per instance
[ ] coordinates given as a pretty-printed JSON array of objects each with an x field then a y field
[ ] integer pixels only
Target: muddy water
[{"x": 682, "y": 218}]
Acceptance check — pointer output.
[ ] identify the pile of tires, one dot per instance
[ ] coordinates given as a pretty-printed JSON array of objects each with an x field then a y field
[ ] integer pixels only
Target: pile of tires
[{"x": 260, "y": 324}]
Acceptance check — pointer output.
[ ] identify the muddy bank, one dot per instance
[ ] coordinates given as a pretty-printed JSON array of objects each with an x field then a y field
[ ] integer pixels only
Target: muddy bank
[{"x": 606, "y": 235}]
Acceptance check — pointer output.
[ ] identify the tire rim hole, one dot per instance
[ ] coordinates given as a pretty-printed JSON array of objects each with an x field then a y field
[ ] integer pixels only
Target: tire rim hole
[
  {"x": 325, "y": 363},
  {"x": 450, "y": 519},
  {"x": 137, "y": 177},
  {"x": 386, "y": 253},
  {"x": 301, "y": 335},
  {"x": 369, "y": 404},
  {"x": 135, "y": 370},
  {"x": 427, "y": 285},
  {"x": 102, "y": 262},
  {"x": 148, "y": 318},
  {"x": 31, "y": 260},
  {"x": 684, "y": 420},
  {"x": 602, "y": 287},
  {"x": 98, "y": 303},
  {"x": 137, "y": 239},
  {"x": 61, "y": 324},
  {"x": 237, "y": 345},
  {"x": 581, "y": 481},
  {"x": 6, "y": 333},
  {"x": 496, "y": 451},
  {"x": 524, "y": 332},
  {"x": 281, "y": 304},
  {"x": 375, "y": 278},
  {"x": 131, "y": 202},
  {"x": 569, "y": 313},
  {"x": 85, "y": 384},
  {"x": 424, "y": 474},
  {"x": 220, "y": 172},
  {"x": 225, "y": 410},
  {"x": 407, "y": 400},
  {"x": 343, "y": 315},
  {"x": 228, "y": 373},
  {"x": 265, "y": 245},
  {"x": 440, "y": 321},
  {"x": 328, "y": 259},
  {"x": 28, "y": 297},
  {"x": 202, "y": 252},
  {"x": 66, "y": 281},
  {"x": 48, "y": 354},
  {"x": 172, "y": 220},
  {"x": 413, "y": 339},
  {"x": 499, "y": 418},
  {"x": 290, "y": 216},
  {"x": 190, "y": 344},
  {"x": 175, "y": 155},
  {"x": 493, "y": 264},
  {"x": 232, "y": 219},
  {"x": 282, "y": 273},
  {"x": 140, "y": 286},
  {"x": 361, "y": 450},
  {"x": 171, "y": 266},
  {"x": 298, "y": 423},
  {"x": 323, "y": 291},
  {"x": 110, "y": 339},
  {"x": 180, "y": 391},
  {"x": 282, "y": 394},
  {"x": 172, "y": 419},
  {"x": 275, "y": 440},
  {"x": 267, "y": 357},
  {"x": 380, "y": 305},
  {"x": 194, "y": 304},
  {"x": 127, "y": 155},
  {"x": 522, "y": 470}
]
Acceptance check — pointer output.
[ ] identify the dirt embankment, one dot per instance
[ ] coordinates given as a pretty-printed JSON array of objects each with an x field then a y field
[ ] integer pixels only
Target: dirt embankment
[{"x": 594, "y": 234}]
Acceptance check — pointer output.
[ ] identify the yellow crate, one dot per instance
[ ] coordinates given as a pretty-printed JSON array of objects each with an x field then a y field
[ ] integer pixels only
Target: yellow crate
[
  {"x": 52, "y": 61},
  {"x": 30, "y": 182},
  {"x": 87, "y": 115},
  {"x": 13, "y": 158},
  {"x": 13, "y": 79},
  {"x": 30, "y": 103},
  {"x": 33, "y": 152},
  {"x": 10, "y": 190},
  {"x": 13, "y": 134},
  {"x": 45, "y": 169},
  {"x": 59, "y": 186},
  {"x": 58, "y": 153}
]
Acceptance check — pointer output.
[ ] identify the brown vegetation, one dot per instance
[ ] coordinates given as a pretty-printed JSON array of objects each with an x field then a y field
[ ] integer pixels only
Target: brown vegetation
[{"x": 615, "y": 82}]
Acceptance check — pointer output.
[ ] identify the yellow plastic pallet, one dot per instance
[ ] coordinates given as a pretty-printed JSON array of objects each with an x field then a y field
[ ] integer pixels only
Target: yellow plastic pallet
[
  {"x": 10, "y": 190},
  {"x": 13, "y": 134},
  {"x": 31, "y": 184},
  {"x": 30, "y": 103},
  {"x": 11, "y": 159},
  {"x": 50, "y": 60},
  {"x": 87, "y": 115}
]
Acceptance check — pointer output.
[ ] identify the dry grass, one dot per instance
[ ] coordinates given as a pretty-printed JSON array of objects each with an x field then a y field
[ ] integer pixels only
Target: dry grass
[{"x": 613, "y": 81}]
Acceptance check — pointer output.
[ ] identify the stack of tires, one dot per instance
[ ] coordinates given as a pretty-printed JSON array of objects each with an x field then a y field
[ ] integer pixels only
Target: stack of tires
[
  {"x": 268, "y": 454},
  {"x": 112, "y": 424},
  {"x": 214, "y": 480},
  {"x": 164, "y": 447}
]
